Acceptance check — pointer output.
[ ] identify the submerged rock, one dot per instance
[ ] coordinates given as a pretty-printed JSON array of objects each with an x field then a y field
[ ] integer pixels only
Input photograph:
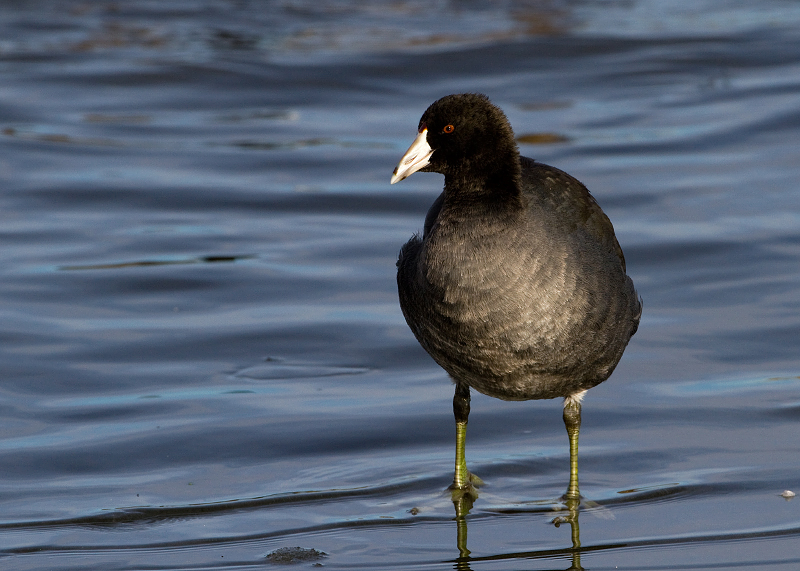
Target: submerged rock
[{"x": 292, "y": 555}]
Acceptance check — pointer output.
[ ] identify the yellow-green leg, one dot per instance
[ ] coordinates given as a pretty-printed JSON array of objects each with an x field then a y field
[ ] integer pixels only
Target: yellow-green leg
[
  {"x": 461, "y": 477},
  {"x": 463, "y": 492},
  {"x": 463, "y": 480},
  {"x": 572, "y": 499},
  {"x": 572, "y": 420}
]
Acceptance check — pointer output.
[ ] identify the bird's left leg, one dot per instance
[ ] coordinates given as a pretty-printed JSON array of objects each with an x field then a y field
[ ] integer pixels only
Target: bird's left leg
[
  {"x": 572, "y": 420},
  {"x": 464, "y": 482}
]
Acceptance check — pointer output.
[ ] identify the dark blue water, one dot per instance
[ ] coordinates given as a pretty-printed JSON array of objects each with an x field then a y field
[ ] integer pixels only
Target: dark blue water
[{"x": 202, "y": 357}]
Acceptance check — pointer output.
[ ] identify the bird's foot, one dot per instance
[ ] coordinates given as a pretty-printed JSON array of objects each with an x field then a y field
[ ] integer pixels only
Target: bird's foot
[
  {"x": 466, "y": 490},
  {"x": 464, "y": 480}
]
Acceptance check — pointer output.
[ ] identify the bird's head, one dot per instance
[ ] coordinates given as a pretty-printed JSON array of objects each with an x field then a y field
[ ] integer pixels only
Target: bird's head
[{"x": 463, "y": 136}]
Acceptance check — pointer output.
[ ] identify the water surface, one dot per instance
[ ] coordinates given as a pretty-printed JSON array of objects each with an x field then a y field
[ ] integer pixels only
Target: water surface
[{"x": 203, "y": 358}]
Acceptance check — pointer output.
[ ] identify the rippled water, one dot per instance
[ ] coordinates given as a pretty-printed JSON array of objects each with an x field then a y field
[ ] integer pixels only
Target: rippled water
[{"x": 203, "y": 359}]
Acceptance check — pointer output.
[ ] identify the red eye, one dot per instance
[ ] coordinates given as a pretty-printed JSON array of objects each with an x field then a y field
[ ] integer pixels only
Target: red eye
[{"x": 448, "y": 129}]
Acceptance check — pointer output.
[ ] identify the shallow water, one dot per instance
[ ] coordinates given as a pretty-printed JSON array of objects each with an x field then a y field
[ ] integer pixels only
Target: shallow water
[{"x": 203, "y": 359}]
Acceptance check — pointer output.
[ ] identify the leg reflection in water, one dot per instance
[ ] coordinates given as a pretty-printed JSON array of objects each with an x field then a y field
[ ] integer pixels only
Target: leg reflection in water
[
  {"x": 572, "y": 505},
  {"x": 571, "y": 509}
]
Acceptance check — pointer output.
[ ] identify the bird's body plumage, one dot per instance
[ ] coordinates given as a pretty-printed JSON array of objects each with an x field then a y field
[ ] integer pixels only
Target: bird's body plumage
[
  {"x": 520, "y": 299},
  {"x": 517, "y": 286}
]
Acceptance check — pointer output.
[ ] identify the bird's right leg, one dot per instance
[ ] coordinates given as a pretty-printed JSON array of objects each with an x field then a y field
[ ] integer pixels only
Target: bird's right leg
[
  {"x": 461, "y": 412},
  {"x": 462, "y": 480}
]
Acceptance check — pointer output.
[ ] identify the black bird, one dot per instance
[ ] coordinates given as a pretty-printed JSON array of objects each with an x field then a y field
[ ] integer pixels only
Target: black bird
[{"x": 517, "y": 286}]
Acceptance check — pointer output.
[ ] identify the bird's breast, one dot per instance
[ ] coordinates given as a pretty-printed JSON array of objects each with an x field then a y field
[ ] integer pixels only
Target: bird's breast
[
  {"x": 498, "y": 287},
  {"x": 515, "y": 309}
]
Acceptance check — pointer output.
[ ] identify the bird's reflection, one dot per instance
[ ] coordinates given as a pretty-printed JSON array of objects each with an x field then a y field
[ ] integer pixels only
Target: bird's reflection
[{"x": 568, "y": 514}]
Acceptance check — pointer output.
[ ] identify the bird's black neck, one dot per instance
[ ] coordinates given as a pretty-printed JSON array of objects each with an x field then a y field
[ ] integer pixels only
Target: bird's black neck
[{"x": 499, "y": 190}]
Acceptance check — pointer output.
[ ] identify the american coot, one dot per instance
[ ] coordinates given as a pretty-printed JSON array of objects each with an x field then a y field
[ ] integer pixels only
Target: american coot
[{"x": 517, "y": 287}]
